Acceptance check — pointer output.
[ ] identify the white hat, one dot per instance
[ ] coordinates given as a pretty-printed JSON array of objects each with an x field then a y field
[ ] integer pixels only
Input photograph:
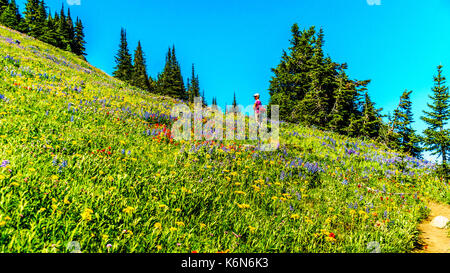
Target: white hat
[{"x": 256, "y": 95}]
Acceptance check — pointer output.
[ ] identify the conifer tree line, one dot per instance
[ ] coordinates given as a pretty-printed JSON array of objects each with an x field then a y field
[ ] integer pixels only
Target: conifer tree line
[
  {"x": 312, "y": 89},
  {"x": 168, "y": 83},
  {"x": 58, "y": 30}
]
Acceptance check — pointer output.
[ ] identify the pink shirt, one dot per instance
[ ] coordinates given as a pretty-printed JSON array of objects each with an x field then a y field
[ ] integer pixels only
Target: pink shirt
[{"x": 257, "y": 106}]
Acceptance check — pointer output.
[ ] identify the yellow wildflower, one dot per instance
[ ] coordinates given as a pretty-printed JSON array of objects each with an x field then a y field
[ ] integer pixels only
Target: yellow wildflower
[
  {"x": 87, "y": 214},
  {"x": 129, "y": 210},
  {"x": 295, "y": 216},
  {"x": 243, "y": 206}
]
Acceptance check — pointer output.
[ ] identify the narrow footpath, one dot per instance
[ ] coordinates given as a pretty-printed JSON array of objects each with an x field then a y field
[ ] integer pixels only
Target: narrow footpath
[{"x": 433, "y": 239}]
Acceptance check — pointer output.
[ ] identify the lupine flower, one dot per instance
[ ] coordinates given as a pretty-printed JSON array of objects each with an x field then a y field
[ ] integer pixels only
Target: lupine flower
[{"x": 5, "y": 163}]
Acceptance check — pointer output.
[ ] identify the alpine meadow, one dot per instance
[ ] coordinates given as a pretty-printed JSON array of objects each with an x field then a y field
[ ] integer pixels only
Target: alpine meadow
[{"x": 90, "y": 160}]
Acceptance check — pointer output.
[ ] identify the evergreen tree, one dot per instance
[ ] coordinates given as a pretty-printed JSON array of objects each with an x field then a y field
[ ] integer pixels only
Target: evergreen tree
[
  {"x": 343, "y": 105},
  {"x": 3, "y": 5},
  {"x": 436, "y": 136},
  {"x": 63, "y": 31},
  {"x": 31, "y": 18},
  {"x": 124, "y": 65},
  {"x": 170, "y": 81},
  {"x": 291, "y": 81},
  {"x": 179, "y": 88},
  {"x": 71, "y": 32},
  {"x": 164, "y": 79},
  {"x": 311, "y": 88},
  {"x": 47, "y": 31},
  {"x": 153, "y": 84},
  {"x": 41, "y": 22},
  {"x": 140, "y": 77},
  {"x": 193, "y": 86},
  {"x": 371, "y": 120},
  {"x": 204, "y": 99},
  {"x": 11, "y": 17},
  {"x": 79, "y": 44},
  {"x": 314, "y": 109},
  {"x": 406, "y": 138}
]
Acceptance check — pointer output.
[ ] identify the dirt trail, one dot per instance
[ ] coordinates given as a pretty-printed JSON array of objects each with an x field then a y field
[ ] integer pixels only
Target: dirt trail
[{"x": 433, "y": 239}]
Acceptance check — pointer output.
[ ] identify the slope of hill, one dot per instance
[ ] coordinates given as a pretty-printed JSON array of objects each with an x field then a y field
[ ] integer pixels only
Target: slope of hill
[{"x": 87, "y": 158}]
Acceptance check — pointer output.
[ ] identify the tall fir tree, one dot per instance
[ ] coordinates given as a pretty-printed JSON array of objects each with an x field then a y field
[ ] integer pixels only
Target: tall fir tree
[
  {"x": 79, "y": 44},
  {"x": 71, "y": 32},
  {"x": 180, "y": 89},
  {"x": 193, "y": 86},
  {"x": 3, "y": 5},
  {"x": 170, "y": 81},
  {"x": 436, "y": 136},
  {"x": 204, "y": 99},
  {"x": 164, "y": 78},
  {"x": 41, "y": 22},
  {"x": 140, "y": 76},
  {"x": 317, "y": 103},
  {"x": 405, "y": 136},
  {"x": 47, "y": 31},
  {"x": 31, "y": 18},
  {"x": 124, "y": 65},
  {"x": 63, "y": 30},
  {"x": 343, "y": 107},
  {"x": 371, "y": 119}
]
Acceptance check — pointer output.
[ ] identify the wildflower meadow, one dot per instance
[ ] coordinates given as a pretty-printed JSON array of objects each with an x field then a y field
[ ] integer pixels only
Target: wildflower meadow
[{"x": 87, "y": 158}]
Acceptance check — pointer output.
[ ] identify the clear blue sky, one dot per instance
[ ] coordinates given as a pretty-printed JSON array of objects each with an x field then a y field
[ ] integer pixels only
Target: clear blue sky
[{"x": 235, "y": 43}]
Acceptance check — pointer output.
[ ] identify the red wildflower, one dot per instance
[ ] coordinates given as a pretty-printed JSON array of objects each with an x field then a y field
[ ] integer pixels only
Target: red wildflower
[{"x": 332, "y": 235}]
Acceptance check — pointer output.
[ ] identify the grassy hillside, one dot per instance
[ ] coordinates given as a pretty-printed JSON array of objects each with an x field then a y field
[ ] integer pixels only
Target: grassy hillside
[{"x": 87, "y": 158}]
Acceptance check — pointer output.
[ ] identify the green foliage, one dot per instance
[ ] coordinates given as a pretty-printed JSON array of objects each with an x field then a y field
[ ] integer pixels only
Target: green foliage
[
  {"x": 124, "y": 66},
  {"x": 58, "y": 31},
  {"x": 79, "y": 43},
  {"x": 312, "y": 89},
  {"x": 10, "y": 15},
  {"x": 193, "y": 86},
  {"x": 3, "y": 5},
  {"x": 371, "y": 120},
  {"x": 83, "y": 166},
  {"x": 405, "y": 136},
  {"x": 170, "y": 81},
  {"x": 436, "y": 136},
  {"x": 139, "y": 77}
]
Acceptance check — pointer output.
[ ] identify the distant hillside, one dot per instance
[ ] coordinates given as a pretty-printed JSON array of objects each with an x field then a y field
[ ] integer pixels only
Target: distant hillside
[{"x": 87, "y": 158}]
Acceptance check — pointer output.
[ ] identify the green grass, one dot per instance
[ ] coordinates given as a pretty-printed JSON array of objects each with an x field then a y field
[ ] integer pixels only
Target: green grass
[{"x": 83, "y": 168}]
